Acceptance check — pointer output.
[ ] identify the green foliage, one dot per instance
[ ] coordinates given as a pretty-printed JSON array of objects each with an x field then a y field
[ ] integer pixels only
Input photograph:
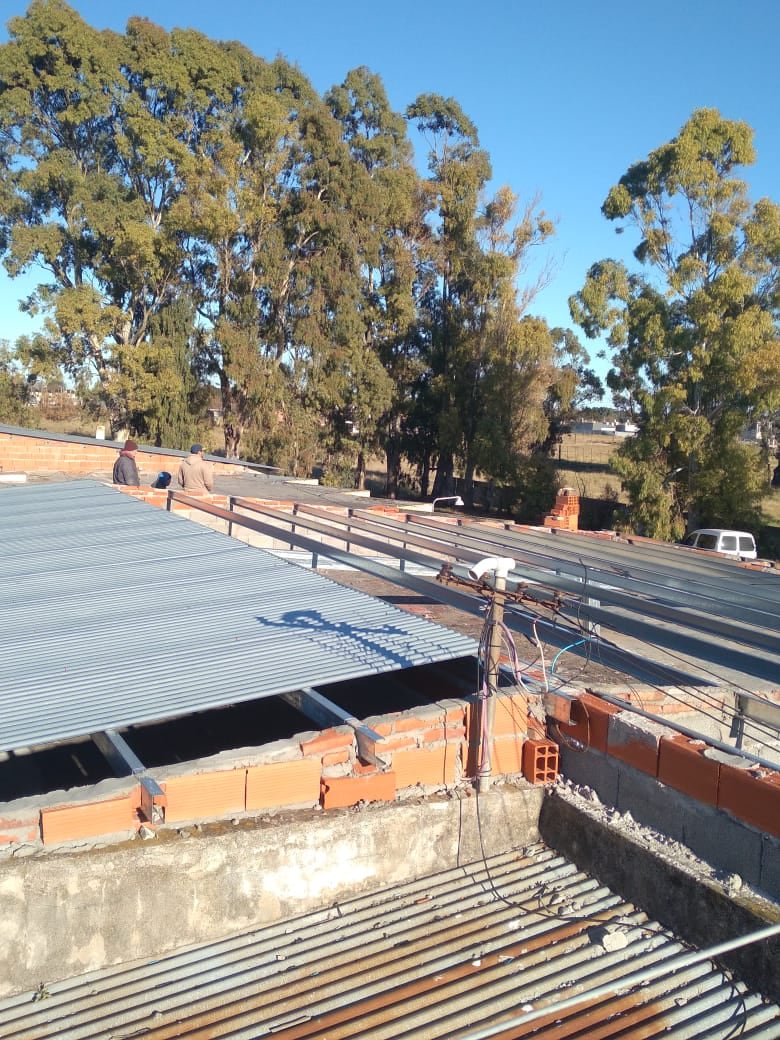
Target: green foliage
[
  {"x": 14, "y": 391},
  {"x": 204, "y": 220},
  {"x": 694, "y": 335},
  {"x": 537, "y": 482},
  {"x": 176, "y": 398}
]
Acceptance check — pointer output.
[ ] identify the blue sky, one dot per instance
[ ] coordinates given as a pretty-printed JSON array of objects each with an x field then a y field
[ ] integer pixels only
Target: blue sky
[{"x": 565, "y": 95}]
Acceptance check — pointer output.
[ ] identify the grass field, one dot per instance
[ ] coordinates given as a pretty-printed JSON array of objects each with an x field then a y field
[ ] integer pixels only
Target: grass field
[{"x": 583, "y": 463}]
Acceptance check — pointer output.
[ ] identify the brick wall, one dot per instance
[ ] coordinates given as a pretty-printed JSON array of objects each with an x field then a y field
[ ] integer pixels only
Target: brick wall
[
  {"x": 424, "y": 750},
  {"x": 37, "y": 453},
  {"x": 749, "y": 793},
  {"x": 565, "y": 514}
]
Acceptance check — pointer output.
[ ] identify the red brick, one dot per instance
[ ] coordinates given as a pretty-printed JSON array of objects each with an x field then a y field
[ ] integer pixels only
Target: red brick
[
  {"x": 469, "y": 755},
  {"x": 536, "y": 730},
  {"x": 506, "y": 756},
  {"x": 335, "y": 758},
  {"x": 590, "y": 721},
  {"x": 201, "y": 795},
  {"x": 472, "y": 716},
  {"x": 89, "y": 820},
  {"x": 540, "y": 761},
  {"x": 283, "y": 783},
  {"x": 633, "y": 743},
  {"x": 511, "y": 715},
  {"x": 410, "y": 723},
  {"x": 752, "y": 795},
  {"x": 384, "y": 729},
  {"x": 21, "y": 826},
  {"x": 337, "y": 792},
  {"x": 436, "y": 736},
  {"x": 328, "y": 740},
  {"x": 394, "y": 743},
  {"x": 429, "y": 766},
  {"x": 455, "y": 716},
  {"x": 682, "y": 765}
]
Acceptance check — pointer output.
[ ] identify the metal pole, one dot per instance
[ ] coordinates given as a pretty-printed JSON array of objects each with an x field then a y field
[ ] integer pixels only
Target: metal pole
[{"x": 496, "y": 618}]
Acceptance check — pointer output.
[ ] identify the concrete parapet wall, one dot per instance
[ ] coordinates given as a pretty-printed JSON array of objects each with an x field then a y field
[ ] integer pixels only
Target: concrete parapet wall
[
  {"x": 730, "y": 844},
  {"x": 746, "y": 791},
  {"x": 422, "y": 751},
  {"x": 88, "y": 908}
]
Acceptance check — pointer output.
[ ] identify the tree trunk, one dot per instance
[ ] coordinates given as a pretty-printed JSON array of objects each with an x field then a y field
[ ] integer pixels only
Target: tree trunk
[
  {"x": 468, "y": 484},
  {"x": 425, "y": 476},
  {"x": 360, "y": 472},
  {"x": 445, "y": 476},
  {"x": 392, "y": 470},
  {"x": 232, "y": 431}
]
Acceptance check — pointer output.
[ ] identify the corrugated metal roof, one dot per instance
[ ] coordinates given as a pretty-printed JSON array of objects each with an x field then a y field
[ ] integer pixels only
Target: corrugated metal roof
[
  {"x": 116, "y": 613},
  {"x": 441, "y": 957},
  {"x": 711, "y": 613}
]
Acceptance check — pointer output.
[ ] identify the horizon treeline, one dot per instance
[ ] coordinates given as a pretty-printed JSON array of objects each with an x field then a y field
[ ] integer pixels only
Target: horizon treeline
[
  {"x": 206, "y": 219},
  {"x": 346, "y": 279}
]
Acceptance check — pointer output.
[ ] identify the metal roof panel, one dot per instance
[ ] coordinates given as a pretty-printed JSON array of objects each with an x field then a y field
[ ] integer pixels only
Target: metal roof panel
[
  {"x": 115, "y": 613},
  {"x": 524, "y": 934}
]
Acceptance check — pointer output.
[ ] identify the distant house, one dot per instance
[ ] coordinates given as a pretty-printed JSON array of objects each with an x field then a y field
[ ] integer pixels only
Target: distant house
[
  {"x": 604, "y": 429},
  {"x": 758, "y": 433}
]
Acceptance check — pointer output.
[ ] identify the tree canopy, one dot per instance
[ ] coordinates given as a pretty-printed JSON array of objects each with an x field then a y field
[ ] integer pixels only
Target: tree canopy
[
  {"x": 694, "y": 330},
  {"x": 204, "y": 220}
]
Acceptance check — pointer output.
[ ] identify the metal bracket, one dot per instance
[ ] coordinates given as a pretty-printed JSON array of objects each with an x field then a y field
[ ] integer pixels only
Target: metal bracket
[
  {"x": 319, "y": 709},
  {"x": 752, "y": 708},
  {"x": 124, "y": 761}
]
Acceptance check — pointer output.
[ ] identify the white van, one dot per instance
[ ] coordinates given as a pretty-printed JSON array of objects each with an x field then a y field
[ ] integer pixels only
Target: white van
[{"x": 738, "y": 544}]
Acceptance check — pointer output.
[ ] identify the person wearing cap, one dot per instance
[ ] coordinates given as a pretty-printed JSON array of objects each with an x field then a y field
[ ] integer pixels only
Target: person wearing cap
[
  {"x": 125, "y": 469},
  {"x": 195, "y": 474}
]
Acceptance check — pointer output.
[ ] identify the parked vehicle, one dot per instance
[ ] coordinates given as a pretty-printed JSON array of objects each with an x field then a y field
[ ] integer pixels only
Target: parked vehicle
[{"x": 738, "y": 544}]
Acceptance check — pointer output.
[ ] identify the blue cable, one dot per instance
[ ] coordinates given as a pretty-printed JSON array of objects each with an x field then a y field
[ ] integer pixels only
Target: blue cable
[{"x": 563, "y": 651}]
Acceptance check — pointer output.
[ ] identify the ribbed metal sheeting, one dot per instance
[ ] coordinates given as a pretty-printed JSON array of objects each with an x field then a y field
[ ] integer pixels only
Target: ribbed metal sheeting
[
  {"x": 436, "y": 959},
  {"x": 116, "y": 613},
  {"x": 693, "y": 605}
]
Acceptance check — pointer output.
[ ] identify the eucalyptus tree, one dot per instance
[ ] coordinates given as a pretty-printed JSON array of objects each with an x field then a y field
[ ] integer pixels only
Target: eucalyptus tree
[
  {"x": 481, "y": 356},
  {"x": 693, "y": 332},
  {"x": 459, "y": 170},
  {"x": 91, "y": 154},
  {"x": 388, "y": 207},
  {"x": 180, "y": 395},
  {"x": 239, "y": 263},
  {"x": 14, "y": 389}
]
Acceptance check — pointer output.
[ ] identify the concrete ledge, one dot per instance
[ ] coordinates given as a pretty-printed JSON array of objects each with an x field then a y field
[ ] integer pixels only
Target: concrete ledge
[
  {"x": 697, "y": 910},
  {"x": 720, "y": 839},
  {"x": 73, "y": 912}
]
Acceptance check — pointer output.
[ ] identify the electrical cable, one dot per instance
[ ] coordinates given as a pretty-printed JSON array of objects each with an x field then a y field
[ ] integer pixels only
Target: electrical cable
[
  {"x": 694, "y": 694},
  {"x": 646, "y": 927}
]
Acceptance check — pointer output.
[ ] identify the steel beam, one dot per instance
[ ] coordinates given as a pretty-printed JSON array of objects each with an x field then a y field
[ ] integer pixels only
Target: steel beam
[
  {"x": 124, "y": 761},
  {"x": 324, "y": 712}
]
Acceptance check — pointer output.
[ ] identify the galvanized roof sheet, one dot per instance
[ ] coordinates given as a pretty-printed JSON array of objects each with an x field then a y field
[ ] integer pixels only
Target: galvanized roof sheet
[
  {"x": 117, "y": 613},
  {"x": 710, "y": 614},
  {"x": 515, "y": 937}
]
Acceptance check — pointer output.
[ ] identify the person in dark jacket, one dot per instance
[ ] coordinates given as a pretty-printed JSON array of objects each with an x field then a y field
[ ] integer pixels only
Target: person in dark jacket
[{"x": 125, "y": 469}]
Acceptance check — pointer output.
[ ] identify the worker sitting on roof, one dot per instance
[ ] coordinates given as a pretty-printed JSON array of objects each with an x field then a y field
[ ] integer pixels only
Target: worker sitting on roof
[{"x": 195, "y": 474}]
